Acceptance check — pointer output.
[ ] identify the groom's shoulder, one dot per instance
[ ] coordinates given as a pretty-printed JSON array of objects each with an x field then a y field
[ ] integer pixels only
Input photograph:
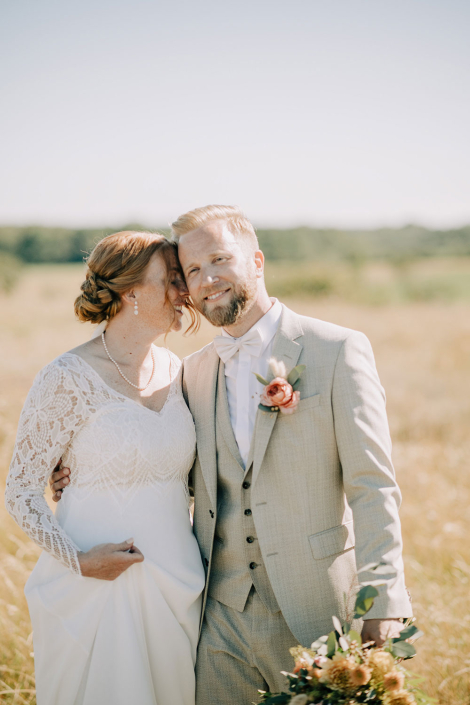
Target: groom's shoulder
[
  {"x": 193, "y": 361},
  {"x": 317, "y": 330}
]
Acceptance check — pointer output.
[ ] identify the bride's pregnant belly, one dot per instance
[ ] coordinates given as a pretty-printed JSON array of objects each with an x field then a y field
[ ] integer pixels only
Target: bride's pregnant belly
[
  {"x": 164, "y": 589},
  {"x": 158, "y": 522}
]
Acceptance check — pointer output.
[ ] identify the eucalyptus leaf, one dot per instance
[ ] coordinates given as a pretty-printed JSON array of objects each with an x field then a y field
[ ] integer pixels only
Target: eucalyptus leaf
[
  {"x": 295, "y": 373},
  {"x": 260, "y": 379},
  {"x": 296, "y": 385},
  {"x": 402, "y": 650},
  {"x": 278, "y": 699},
  {"x": 364, "y": 600},
  {"x": 408, "y": 632},
  {"x": 355, "y": 636},
  {"x": 346, "y": 628},
  {"x": 270, "y": 409},
  {"x": 331, "y": 644}
]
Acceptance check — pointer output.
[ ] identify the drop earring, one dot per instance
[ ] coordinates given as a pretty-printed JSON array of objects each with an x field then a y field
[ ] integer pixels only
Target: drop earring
[{"x": 136, "y": 308}]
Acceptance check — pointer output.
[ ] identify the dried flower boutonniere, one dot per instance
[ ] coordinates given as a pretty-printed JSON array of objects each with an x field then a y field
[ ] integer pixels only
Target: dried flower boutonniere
[{"x": 281, "y": 393}]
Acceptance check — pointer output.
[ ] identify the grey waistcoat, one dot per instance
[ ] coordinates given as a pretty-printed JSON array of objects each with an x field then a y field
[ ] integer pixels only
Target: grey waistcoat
[{"x": 237, "y": 564}]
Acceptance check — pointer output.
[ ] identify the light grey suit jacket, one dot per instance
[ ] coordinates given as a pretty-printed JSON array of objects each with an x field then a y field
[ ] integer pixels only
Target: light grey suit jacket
[{"x": 324, "y": 495}]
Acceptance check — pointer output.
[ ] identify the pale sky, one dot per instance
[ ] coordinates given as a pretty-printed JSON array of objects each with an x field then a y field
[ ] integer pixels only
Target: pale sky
[{"x": 318, "y": 112}]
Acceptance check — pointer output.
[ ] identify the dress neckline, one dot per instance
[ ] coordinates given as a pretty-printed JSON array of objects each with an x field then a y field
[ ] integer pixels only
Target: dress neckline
[{"x": 124, "y": 396}]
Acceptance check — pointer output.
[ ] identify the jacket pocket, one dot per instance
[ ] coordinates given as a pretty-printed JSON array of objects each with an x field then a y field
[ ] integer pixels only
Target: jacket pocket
[
  {"x": 308, "y": 403},
  {"x": 335, "y": 540}
]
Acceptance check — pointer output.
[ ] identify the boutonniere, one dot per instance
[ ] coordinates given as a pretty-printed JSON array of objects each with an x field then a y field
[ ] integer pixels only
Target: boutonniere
[{"x": 281, "y": 393}]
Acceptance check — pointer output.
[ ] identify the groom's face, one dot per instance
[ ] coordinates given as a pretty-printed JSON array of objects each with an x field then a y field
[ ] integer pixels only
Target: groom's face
[{"x": 220, "y": 273}]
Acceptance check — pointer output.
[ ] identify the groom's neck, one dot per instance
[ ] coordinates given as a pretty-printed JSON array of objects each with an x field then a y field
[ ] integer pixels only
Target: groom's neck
[{"x": 251, "y": 315}]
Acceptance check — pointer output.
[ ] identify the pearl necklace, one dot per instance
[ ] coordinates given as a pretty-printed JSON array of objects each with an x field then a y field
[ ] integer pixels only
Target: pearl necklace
[{"x": 141, "y": 389}]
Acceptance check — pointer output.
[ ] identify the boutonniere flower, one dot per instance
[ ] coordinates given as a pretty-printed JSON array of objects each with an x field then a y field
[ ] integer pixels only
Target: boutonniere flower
[{"x": 281, "y": 393}]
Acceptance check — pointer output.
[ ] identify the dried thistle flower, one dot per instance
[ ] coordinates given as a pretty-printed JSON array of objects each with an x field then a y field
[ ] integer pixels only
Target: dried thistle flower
[
  {"x": 381, "y": 663},
  {"x": 394, "y": 680},
  {"x": 360, "y": 675},
  {"x": 337, "y": 673},
  {"x": 399, "y": 697}
]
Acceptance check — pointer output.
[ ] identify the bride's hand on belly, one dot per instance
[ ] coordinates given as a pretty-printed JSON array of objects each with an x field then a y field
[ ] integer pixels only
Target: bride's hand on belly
[{"x": 108, "y": 560}]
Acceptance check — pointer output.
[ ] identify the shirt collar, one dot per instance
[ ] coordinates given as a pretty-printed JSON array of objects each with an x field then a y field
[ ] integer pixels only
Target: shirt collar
[{"x": 266, "y": 326}]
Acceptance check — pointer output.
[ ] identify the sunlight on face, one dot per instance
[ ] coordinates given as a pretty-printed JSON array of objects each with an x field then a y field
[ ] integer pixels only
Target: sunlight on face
[
  {"x": 220, "y": 274},
  {"x": 164, "y": 312}
]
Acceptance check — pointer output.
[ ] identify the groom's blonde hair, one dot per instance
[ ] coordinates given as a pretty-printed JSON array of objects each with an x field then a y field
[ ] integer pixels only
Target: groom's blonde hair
[{"x": 233, "y": 216}]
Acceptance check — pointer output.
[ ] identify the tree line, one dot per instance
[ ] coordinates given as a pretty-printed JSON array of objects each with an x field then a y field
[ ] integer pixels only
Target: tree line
[{"x": 57, "y": 245}]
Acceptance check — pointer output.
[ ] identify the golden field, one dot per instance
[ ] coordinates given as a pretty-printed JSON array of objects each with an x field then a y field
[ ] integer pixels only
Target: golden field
[{"x": 423, "y": 357}]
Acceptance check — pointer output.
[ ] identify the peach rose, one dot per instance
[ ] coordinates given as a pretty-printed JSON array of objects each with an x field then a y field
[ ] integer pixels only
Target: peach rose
[
  {"x": 291, "y": 405},
  {"x": 279, "y": 393}
]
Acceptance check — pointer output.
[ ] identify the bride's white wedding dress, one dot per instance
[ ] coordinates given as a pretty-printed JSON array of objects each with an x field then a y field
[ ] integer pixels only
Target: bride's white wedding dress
[{"x": 131, "y": 641}]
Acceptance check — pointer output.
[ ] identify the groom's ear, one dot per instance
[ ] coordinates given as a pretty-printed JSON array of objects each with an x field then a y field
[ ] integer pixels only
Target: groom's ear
[{"x": 259, "y": 263}]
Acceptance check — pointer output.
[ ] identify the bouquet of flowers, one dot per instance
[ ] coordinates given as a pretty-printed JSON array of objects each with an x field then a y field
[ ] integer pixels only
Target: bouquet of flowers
[{"x": 339, "y": 669}]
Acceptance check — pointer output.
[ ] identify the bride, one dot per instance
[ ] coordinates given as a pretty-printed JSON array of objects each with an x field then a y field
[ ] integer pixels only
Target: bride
[{"x": 115, "y": 597}]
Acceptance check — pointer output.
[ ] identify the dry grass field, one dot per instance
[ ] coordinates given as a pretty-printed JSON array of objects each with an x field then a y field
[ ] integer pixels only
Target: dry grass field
[{"x": 423, "y": 357}]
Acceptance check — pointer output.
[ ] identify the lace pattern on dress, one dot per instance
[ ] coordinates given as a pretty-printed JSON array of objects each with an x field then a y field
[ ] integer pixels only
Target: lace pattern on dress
[
  {"x": 51, "y": 416},
  {"x": 111, "y": 443}
]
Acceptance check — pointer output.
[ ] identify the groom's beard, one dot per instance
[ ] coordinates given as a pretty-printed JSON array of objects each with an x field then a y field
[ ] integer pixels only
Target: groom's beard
[{"x": 222, "y": 316}]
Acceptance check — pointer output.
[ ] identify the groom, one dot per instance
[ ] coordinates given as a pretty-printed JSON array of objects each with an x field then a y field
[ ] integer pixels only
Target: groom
[{"x": 286, "y": 505}]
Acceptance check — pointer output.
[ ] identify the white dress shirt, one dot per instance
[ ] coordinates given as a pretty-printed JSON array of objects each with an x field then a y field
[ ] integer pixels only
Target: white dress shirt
[{"x": 243, "y": 389}]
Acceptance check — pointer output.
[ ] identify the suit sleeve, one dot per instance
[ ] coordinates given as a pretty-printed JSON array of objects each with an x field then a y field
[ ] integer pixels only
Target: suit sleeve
[{"x": 364, "y": 446}]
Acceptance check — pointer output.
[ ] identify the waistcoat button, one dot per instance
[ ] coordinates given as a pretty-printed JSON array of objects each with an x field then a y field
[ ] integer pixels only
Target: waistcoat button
[
  {"x": 248, "y": 512},
  {"x": 250, "y": 539},
  {"x": 246, "y": 485},
  {"x": 253, "y": 565}
]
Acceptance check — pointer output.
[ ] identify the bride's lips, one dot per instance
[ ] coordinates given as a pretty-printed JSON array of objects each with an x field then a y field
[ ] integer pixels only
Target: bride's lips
[{"x": 217, "y": 295}]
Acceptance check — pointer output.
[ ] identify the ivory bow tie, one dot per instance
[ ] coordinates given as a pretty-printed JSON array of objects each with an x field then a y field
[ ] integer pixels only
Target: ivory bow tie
[{"x": 250, "y": 343}]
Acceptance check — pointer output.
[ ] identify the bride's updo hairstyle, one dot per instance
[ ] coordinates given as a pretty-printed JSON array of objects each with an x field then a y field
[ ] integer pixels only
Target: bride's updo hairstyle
[{"x": 117, "y": 264}]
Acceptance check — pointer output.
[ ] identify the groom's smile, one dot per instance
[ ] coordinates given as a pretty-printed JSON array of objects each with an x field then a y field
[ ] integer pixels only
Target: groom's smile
[
  {"x": 217, "y": 296},
  {"x": 220, "y": 273}
]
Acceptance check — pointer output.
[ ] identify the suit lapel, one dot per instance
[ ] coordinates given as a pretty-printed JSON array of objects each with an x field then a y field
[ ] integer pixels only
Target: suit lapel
[
  {"x": 285, "y": 348},
  {"x": 204, "y": 419},
  {"x": 223, "y": 417}
]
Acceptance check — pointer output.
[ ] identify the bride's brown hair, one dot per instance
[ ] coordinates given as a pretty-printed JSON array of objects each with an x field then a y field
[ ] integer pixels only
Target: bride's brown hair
[{"x": 116, "y": 264}]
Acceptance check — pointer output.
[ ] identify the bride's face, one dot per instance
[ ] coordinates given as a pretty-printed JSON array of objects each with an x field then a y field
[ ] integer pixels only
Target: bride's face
[{"x": 155, "y": 308}]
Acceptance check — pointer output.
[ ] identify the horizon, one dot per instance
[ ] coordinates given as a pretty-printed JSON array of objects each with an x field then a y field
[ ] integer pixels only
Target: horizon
[{"x": 257, "y": 226}]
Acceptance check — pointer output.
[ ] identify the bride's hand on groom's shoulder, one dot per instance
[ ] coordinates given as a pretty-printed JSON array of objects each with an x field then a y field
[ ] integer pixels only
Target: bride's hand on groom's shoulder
[{"x": 108, "y": 560}]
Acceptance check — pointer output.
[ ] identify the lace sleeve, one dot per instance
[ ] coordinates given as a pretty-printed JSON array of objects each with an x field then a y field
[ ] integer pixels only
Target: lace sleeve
[{"x": 52, "y": 414}]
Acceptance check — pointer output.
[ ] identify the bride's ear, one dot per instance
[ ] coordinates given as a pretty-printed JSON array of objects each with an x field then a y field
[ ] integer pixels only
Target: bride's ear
[{"x": 129, "y": 297}]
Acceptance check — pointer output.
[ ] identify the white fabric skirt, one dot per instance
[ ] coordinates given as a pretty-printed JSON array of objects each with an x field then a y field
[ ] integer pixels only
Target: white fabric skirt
[{"x": 128, "y": 641}]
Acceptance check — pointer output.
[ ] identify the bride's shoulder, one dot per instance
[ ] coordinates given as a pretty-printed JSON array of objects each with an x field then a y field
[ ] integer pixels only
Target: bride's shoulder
[
  {"x": 176, "y": 362},
  {"x": 68, "y": 365}
]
